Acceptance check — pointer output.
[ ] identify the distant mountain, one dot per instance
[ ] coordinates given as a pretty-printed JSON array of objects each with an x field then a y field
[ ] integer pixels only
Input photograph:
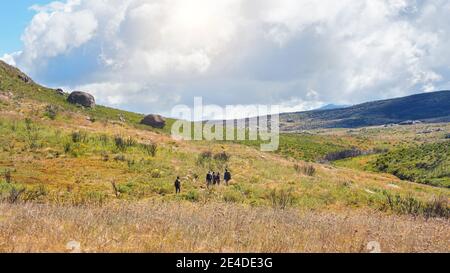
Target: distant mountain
[
  {"x": 332, "y": 107},
  {"x": 425, "y": 107}
]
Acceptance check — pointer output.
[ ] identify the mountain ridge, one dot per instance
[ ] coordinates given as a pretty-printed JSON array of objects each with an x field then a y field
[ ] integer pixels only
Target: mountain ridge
[{"x": 427, "y": 107}]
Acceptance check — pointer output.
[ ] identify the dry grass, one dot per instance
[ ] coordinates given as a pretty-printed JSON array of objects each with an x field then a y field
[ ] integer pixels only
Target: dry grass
[{"x": 213, "y": 227}]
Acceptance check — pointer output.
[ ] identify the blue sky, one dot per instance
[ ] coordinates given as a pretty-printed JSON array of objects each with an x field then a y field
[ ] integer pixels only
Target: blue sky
[
  {"x": 14, "y": 17},
  {"x": 148, "y": 56}
]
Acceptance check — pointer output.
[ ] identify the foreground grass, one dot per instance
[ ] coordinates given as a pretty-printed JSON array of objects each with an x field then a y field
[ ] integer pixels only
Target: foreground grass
[{"x": 213, "y": 227}]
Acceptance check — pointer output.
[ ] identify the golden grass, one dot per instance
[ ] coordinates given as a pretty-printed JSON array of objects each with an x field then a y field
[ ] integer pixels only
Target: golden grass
[{"x": 213, "y": 227}]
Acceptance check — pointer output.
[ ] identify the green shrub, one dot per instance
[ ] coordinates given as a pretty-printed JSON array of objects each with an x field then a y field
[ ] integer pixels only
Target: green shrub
[
  {"x": 78, "y": 137},
  {"x": 150, "y": 149},
  {"x": 14, "y": 194},
  {"x": 51, "y": 111},
  {"x": 204, "y": 157},
  {"x": 438, "y": 207},
  {"x": 125, "y": 188},
  {"x": 122, "y": 144},
  {"x": 103, "y": 139},
  {"x": 32, "y": 134},
  {"x": 281, "y": 199},
  {"x": 67, "y": 147},
  {"x": 192, "y": 196}
]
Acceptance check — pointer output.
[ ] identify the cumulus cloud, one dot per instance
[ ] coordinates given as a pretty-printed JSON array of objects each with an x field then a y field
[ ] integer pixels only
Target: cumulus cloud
[{"x": 149, "y": 55}]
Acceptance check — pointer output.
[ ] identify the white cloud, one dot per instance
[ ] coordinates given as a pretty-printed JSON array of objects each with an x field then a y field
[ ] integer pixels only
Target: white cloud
[
  {"x": 10, "y": 58},
  {"x": 56, "y": 32},
  {"x": 148, "y": 55}
]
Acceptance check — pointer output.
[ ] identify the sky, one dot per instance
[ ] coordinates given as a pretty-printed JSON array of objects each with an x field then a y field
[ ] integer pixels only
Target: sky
[
  {"x": 150, "y": 55},
  {"x": 14, "y": 18}
]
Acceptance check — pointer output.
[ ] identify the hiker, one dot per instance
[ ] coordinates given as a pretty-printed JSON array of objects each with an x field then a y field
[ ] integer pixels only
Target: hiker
[
  {"x": 217, "y": 178},
  {"x": 209, "y": 179},
  {"x": 227, "y": 176},
  {"x": 214, "y": 178},
  {"x": 177, "y": 185}
]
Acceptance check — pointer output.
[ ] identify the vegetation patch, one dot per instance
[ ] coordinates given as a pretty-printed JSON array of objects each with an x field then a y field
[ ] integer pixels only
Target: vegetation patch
[
  {"x": 438, "y": 207},
  {"x": 425, "y": 163}
]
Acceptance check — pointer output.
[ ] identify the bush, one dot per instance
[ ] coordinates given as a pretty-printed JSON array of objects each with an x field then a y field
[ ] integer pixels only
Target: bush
[
  {"x": 104, "y": 139},
  {"x": 192, "y": 196},
  {"x": 32, "y": 134},
  {"x": 203, "y": 157},
  {"x": 281, "y": 199},
  {"x": 409, "y": 205},
  {"x": 344, "y": 154},
  {"x": 305, "y": 169},
  {"x": 223, "y": 156},
  {"x": 150, "y": 149},
  {"x": 212, "y": 160},
  {"x": 122, "y": 144},
  {"x": 78, "y": 137},
  {"x": 67, "y": 147},
  {"x": 14, "y": 195},
  {"x": 51, "y": 111},
  {"x": 125, "y": 188}
]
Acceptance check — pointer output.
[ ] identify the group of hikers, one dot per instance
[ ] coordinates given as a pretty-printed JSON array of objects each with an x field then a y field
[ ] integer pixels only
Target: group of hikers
[{"x": 212, "y": 178}]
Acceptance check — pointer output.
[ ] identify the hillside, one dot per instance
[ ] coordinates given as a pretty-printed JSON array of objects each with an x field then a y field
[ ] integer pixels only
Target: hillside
[
  {"x": 15, "y": 84},
  {"x": 430, "y": 107},
  {"x": 58, "y": 161},
  {"x": 426, "y": 163}
]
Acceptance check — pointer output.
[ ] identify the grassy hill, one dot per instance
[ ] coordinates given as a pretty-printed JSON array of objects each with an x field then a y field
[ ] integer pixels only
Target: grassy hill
[
  {"x": 12, "y": 81},
  {"x": 58, "y": 160},
  {"x": 432, "y": 107}
]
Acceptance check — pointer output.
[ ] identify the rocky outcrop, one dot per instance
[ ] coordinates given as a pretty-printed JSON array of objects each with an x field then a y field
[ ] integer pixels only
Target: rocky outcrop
[
  {"x": 155, "y": 121},
  {"x": 24, "y": 78},
  {"x": 59, "y": 91},
  {"x": 82, "y": 98}
]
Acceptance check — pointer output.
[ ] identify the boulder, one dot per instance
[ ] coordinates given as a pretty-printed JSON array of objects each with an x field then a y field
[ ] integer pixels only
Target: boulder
[
  {"x": 59, "y": 91},
  {"x": 155, "y": 121},
  {"x": 24, "y": 78},
  {"x": 82, "y": 98}
]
